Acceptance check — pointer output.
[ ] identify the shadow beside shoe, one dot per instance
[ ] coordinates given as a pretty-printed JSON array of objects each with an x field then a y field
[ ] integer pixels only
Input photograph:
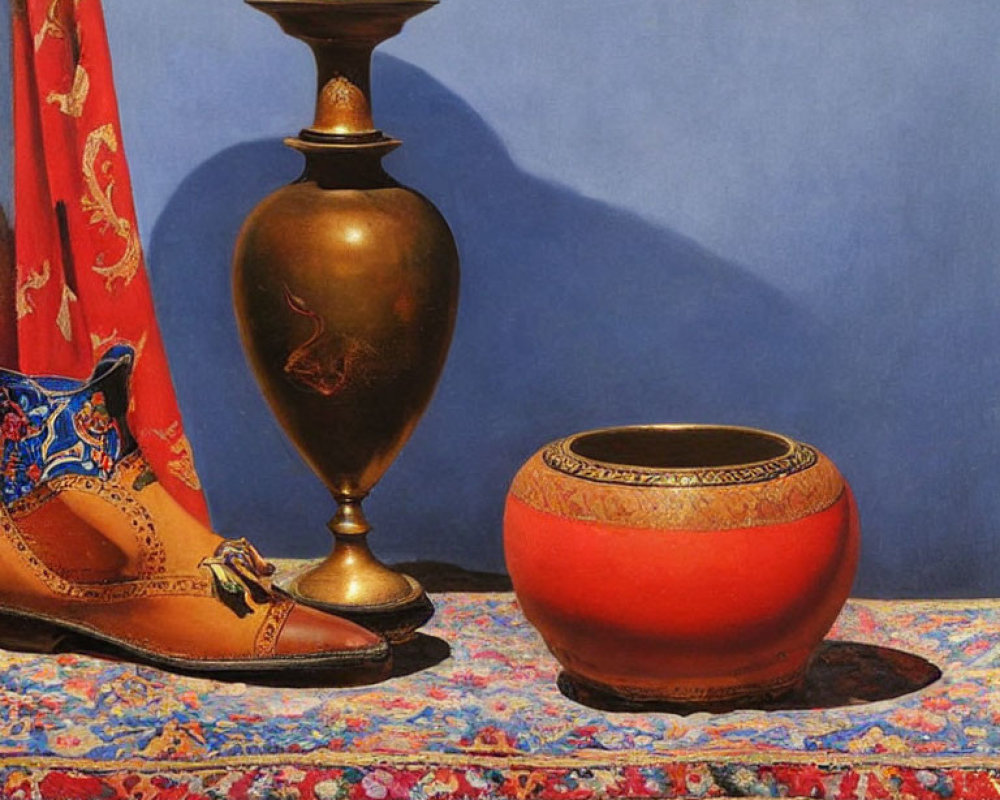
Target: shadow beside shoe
[
  {"x": 35, "y": 636},
  {"x": 420, "y": 653}
]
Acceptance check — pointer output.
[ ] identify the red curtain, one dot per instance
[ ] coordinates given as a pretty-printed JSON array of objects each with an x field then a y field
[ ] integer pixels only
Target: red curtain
[{"x": 81, "y": 283}]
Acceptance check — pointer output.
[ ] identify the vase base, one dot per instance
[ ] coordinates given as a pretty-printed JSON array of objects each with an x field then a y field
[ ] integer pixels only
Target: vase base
[
  {"x": 397, "y": 621},
  {"x": 675, "y": 699}
]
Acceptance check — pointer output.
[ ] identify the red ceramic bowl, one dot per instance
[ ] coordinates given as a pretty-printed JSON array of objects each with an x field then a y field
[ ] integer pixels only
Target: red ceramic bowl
[{"x": 681, "y": 563}]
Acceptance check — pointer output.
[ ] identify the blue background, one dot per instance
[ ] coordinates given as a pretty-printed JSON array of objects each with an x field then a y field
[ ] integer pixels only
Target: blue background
[{"x": 774, "y": 213}]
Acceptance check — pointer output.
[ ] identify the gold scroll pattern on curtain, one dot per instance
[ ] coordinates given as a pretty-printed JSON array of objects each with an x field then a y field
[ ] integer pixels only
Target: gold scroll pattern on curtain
[{"x": 81, "y": 285}]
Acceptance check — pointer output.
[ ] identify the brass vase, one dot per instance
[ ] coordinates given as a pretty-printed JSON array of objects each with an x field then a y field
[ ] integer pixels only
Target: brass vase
[{"x": 346, "y": 288}]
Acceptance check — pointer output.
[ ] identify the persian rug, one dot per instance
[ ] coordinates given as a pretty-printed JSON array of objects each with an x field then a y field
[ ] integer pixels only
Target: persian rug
[{"x": 475, "y": 710}]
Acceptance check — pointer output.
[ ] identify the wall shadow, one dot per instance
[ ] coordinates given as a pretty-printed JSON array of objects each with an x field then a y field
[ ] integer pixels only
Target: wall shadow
[
  {"x": 574, "y": 314},
  {"x": 840, "y": 674}
]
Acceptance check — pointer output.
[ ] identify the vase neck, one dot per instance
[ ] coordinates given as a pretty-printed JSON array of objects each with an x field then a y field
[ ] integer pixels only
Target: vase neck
[
  {"x": 342, "y": 35},
  {"x": 344, "y": 168}
]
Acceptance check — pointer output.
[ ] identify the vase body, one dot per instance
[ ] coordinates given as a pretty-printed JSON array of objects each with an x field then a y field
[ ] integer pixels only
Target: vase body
[
  {"x": 685, "y": 564},
  {"x": 346, "y": 287},
  {"x": 346, "y": 300}
]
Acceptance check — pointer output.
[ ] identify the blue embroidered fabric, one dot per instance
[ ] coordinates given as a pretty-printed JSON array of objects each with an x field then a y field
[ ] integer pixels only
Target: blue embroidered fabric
[{"x": 52, "y": 426}]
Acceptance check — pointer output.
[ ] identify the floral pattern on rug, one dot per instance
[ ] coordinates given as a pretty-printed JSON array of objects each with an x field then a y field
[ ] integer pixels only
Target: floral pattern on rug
[
  {"x": 676, "y": 781},
  {"x": 489, "y": 721}
]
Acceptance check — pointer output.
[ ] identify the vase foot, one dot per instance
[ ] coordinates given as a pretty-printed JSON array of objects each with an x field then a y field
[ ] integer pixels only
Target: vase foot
[
  {"x": 397, "y": 620},
  {"x": 676, "y": 699}
]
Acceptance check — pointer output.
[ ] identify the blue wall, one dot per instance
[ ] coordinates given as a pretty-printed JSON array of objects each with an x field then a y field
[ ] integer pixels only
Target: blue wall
[{"x": 782, "y": 214}]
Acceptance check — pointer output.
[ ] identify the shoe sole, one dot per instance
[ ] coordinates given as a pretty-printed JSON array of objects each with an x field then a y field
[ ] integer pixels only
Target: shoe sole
[{"x": 37, "y": 633}]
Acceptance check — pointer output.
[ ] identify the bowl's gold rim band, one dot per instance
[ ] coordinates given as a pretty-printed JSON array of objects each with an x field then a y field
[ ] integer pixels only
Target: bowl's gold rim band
[
  {"x": 780, "y": 498},
  {"x": 559, "y": 456}
]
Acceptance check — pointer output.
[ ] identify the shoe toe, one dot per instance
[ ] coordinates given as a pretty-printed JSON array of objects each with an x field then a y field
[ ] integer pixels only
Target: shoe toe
[{"x": 311, "y": 632}]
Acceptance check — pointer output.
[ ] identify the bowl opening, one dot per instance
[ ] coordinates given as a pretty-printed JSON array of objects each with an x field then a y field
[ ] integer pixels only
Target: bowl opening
[{"x": 680, "y": 447}]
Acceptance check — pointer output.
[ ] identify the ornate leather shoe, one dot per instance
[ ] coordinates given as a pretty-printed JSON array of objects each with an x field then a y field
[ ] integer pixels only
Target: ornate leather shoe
[{"x": 92, "y": 546}]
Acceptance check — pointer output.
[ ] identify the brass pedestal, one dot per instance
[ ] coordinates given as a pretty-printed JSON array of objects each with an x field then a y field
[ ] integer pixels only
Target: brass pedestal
[
  {"x": 346, "y": 288},
  {"x": 352, "y": 583}
]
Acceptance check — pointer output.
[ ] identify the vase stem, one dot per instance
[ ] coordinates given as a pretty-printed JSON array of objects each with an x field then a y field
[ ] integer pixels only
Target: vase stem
[{"x": 350, "y": 519}]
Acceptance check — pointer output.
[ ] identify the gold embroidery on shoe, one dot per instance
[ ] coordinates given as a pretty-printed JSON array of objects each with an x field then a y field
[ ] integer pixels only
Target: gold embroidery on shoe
[
  {"x": 35, "y": 280},
  {"x": 71, "y": 455},
  {"x": 102, "y": 211},
  {"x": 156, "y": 554},
  {"x": 266, "y": 641},
  {"x": 181, "y": 467},
  {"x": 32, "y": 502},
  {"x": 240, "y": 575},
  {"x": 71, "y": 102}
]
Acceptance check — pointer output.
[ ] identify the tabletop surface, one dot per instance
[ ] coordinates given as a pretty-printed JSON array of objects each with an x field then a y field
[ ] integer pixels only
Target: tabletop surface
[{"x": 475, "y": 710}]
